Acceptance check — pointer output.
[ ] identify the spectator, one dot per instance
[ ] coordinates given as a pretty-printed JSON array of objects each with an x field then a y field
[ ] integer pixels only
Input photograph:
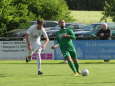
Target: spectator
[{"x": 104, "y": 33}]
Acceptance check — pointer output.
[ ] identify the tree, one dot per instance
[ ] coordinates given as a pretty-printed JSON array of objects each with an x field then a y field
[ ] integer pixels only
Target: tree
[
  {"x": 50, "y": 9},
  {"x": 4, "y": 12},
  {"x": 15, "y": 14},
  {"x": 109, "y": 10}
]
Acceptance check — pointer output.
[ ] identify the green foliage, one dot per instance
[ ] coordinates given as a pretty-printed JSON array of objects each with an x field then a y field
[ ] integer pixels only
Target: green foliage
[
  {"x": 15, "y": 13},
  {"x": 109, "y": 10},
  {"x": 50, "y": 9}
]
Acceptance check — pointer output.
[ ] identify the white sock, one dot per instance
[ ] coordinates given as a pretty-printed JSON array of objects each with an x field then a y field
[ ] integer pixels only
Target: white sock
[{"x": 39, "y": 61}]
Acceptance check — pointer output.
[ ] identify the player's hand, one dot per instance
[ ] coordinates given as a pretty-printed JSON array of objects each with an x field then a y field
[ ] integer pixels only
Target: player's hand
[
  {"x": 66, "y": 35},
  {"x": 53, "y": 47}
]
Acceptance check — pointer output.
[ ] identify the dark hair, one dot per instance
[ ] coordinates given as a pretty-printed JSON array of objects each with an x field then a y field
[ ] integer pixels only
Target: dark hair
[{"x": 40, "y": 22}]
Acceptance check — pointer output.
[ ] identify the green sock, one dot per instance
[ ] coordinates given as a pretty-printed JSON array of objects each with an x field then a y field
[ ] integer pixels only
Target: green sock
[
  {"x": 77, "y": 66},
  {"x": 72, "y": 66}
]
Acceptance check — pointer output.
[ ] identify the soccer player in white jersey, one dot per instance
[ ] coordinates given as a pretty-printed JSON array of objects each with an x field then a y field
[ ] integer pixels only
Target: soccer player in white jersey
[{"x": 33, "y": 37}]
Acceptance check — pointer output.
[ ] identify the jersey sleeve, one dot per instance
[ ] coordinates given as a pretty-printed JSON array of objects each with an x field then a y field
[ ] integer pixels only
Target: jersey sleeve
[
  {"x": 71, "y": 33},
  {"x": 44, "y": 33}
]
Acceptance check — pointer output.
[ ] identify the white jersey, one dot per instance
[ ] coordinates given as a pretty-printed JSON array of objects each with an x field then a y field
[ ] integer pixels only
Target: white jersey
[{"x": 35, "y": 36}]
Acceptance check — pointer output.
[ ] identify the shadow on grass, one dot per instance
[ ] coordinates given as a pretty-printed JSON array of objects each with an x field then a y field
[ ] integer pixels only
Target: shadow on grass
[
  {"x": 3, "y": 75},
  {"x": 42, "y": 76},
  {"x": 97, "y": 63},
  {"x": 57, "y": 75},
  {"x": 91, "y": 83},
  {"x": 51, "y": 75}
]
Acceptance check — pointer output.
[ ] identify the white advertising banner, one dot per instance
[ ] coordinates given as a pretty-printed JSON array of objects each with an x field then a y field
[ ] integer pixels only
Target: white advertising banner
[{"x": 13, "y": 50}]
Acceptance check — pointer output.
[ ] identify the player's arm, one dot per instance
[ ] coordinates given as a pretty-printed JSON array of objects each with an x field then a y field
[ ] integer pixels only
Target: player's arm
[
  {"x": 70, "y": 34},
  {"x": 27, "y": 37},
  {"x": 45, "y": 42},
  {"x": 46, "y": 39},
  {"x": 28, "y": 41}
]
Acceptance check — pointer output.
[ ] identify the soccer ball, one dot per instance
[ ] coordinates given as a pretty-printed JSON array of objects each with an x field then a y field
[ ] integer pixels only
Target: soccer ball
[{"x": 85, "y": 72}]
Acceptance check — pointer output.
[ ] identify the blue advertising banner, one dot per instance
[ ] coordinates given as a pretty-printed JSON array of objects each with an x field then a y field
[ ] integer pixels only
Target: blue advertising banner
[{"x": 92, "y": 49}]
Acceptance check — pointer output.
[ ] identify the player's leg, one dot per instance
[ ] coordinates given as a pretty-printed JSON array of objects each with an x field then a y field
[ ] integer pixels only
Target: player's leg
[
  {"x": 30, "y": 52},
  {"x": 38, "y": 57},
  {"x": 29, "y": 57},
  {"x": 75, "y": 60},
  {"x": 76, "y": 65},
  {"x": 70, "y": 62}
]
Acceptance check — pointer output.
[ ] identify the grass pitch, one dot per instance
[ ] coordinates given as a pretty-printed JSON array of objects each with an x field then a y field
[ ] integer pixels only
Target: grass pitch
[{"x": 19, "y": 73}]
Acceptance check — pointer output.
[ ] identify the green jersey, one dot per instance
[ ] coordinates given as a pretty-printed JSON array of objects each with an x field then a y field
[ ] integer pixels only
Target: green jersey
[{"x": 65, "y": 43}]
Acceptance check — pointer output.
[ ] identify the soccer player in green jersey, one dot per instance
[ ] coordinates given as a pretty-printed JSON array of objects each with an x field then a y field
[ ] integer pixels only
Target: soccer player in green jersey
[{"x": 64, "y": 38}]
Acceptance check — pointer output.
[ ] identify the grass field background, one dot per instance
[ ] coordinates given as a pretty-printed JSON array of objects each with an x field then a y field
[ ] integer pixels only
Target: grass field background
[
  {"x": 19, "y": 73},
  {"x": 88, "y": 17}
]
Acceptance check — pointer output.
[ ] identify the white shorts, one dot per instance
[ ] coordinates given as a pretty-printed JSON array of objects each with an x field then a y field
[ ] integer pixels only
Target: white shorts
[
  {"x": 36, "y": 48},
  {"x": 31, "y": 52}
]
